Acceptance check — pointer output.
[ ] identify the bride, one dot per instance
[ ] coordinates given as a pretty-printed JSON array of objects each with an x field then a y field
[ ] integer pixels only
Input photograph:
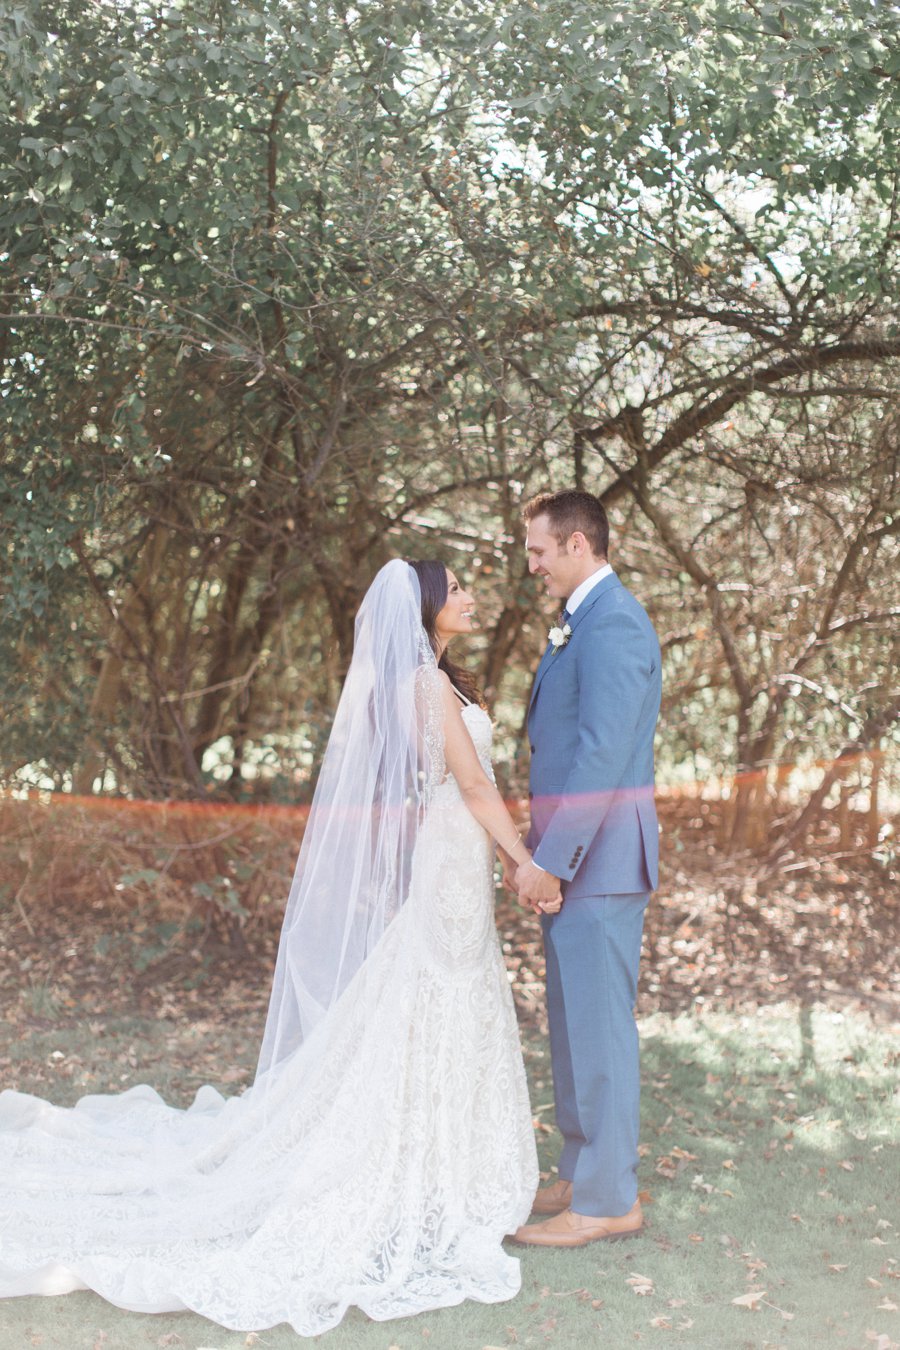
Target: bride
[{"x": 385, "y": 1147}]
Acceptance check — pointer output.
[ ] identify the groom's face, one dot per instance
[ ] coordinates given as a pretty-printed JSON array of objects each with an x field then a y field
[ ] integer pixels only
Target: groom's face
[{"x": 554, "y": 563}]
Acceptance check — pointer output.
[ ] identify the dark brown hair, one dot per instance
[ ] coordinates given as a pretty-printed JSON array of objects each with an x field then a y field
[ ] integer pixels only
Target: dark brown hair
[
  {"x": 433, "y": 590},
  {"x": 569, "y": 511}
]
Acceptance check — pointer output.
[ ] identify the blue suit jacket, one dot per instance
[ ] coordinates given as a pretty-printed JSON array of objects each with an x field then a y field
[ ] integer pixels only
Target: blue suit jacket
[{"x": 591, "y": 724}]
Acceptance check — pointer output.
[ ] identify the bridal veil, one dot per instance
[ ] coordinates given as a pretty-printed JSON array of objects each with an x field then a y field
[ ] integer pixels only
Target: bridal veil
[{"x": 383, "y": 758}]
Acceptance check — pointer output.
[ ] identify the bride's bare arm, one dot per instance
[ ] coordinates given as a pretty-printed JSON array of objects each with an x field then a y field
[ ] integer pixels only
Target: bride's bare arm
[{"x": 478, "y": 792}]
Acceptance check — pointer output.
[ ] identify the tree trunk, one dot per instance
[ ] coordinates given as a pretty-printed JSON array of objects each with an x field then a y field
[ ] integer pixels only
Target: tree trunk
[
  {"x": 750, "y": 812},
  {"x": 869, "y": 738},
  {"x": 109, "y": 681},
  {"x": 872, "y": 820},
  {"x": 497, "y": 656},
  {"x": 845, "y": 832}
]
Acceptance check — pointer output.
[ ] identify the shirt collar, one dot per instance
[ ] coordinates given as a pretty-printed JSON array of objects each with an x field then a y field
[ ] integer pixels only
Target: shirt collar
[{"x": 582, "y": 591}]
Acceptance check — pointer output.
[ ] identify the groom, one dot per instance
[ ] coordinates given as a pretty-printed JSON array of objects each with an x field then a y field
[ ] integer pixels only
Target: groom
[{"x": 593, "y": 834}]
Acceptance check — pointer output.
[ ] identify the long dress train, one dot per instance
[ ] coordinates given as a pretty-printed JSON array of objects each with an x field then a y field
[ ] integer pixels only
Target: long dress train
[{"x": 382, "y": 1170}]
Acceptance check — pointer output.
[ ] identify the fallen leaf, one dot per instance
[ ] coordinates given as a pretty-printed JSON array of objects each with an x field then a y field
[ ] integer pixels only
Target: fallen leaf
[
  {"x": 750, "y": 1300},
  {"x": 641, "y": 1284},
  {"x": 663, "y": 1323},
  {"x": 887, "y": 1306},
  {"x": 837, "y": 1269},
  {"x": 695, "y": 1237},
  {"x": 847, "y": 1166}
]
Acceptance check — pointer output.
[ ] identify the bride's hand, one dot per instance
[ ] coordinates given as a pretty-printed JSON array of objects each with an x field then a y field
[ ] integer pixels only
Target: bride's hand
[{"x": 509, "y": 871}]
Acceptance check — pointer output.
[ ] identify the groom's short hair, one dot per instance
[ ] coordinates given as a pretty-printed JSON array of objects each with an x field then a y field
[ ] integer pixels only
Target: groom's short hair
[{"x": 569, "y": 511}]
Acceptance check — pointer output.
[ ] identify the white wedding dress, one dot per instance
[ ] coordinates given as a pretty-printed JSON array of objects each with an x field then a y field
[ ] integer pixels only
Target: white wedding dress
[{"x": 382, "y": 1171}]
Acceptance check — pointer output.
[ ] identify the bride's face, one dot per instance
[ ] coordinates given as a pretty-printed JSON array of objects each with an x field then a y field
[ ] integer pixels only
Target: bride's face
[{"x": 456, "y": 616}]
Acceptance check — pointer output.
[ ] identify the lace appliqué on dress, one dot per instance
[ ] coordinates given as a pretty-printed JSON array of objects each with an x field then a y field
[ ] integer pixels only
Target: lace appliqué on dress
[{"x": 430, "y": 712}]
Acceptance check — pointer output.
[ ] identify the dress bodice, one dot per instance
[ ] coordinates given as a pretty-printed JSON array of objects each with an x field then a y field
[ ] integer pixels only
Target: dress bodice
[{"x": 479, "y": 727}]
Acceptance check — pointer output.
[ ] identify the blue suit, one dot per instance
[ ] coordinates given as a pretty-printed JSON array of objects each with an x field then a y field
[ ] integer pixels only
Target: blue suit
[{"x": 591, "y": 724}]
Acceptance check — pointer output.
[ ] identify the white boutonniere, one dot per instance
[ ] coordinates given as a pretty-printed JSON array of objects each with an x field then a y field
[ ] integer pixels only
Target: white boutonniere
[{"x": 559, "y": 637}]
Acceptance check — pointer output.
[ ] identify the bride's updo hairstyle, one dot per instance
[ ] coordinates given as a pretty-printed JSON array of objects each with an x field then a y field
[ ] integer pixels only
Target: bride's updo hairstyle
[{"x": 433, "y": 590}]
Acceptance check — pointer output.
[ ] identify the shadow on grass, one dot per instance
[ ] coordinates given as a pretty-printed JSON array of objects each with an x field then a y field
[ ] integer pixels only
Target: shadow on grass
[{"x": 770, "y": 1157}]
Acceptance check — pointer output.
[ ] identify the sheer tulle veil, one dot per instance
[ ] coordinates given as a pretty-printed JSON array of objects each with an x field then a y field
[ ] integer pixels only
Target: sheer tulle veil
[{"x": 383, "y": 757}]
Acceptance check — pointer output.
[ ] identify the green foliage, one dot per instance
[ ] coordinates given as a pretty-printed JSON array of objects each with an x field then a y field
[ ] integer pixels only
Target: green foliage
[{"x": 288, "y": 290}]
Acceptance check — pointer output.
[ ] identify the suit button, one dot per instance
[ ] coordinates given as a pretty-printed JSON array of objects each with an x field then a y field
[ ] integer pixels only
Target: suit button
[
  {"x": 531, "y": 749},
  {"x": 530, "y": 795}
]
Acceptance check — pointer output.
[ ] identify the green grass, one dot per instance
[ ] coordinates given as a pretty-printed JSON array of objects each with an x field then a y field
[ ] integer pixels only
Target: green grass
[{"x": 770, "y": 1153}]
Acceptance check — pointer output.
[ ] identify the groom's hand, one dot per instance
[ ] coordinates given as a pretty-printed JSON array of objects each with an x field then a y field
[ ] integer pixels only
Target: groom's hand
[{"x": 539, "y": 890}]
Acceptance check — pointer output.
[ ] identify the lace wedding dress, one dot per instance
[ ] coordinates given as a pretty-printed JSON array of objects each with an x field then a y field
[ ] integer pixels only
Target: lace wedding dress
[{"x": 382, "y": 1171}]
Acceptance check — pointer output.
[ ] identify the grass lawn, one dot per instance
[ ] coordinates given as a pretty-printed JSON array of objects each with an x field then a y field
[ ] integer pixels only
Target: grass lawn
[{"x": 770, "y": 1158}]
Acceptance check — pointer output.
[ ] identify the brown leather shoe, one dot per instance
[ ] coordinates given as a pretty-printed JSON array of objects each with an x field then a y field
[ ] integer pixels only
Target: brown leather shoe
[
  {"x": 553, "y": 1199},
  {"x": 577, "y": 1230}
]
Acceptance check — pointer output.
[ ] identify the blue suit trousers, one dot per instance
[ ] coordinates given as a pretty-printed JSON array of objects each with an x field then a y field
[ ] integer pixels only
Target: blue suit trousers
[{"x": 593, "y": 949}]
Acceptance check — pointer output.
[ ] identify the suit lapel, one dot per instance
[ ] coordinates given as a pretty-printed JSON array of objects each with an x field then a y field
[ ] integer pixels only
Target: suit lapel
[
  {"x": 578, "y": 617},
  {"x": 539, "y": 675},
  {"x": 607, "y": 584}
]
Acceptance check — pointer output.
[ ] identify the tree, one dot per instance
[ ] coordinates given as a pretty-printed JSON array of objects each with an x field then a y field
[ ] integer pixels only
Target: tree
[{"x": 291, "y": 290}]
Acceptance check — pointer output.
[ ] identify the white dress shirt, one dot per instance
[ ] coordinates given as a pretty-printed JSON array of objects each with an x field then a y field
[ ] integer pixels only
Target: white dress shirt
[{"x": 583, "y": 590}]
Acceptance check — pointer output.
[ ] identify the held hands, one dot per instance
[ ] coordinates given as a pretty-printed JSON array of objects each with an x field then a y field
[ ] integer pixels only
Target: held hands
[
  {"x": 538, "y": 890},
  {"x": 535, "y": 889}
]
